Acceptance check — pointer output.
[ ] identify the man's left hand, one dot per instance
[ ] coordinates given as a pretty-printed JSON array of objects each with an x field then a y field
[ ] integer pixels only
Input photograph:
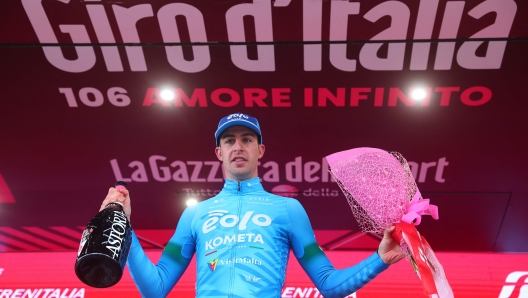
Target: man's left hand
[{"x": 389, "y": 250}]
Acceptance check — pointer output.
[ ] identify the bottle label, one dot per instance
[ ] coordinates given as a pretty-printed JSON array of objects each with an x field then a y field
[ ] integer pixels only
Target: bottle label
[{"x": 116, "y": 233}]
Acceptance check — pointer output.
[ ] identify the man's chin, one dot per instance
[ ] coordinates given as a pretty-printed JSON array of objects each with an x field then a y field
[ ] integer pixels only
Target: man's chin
[{"x": 241, "y": 175}]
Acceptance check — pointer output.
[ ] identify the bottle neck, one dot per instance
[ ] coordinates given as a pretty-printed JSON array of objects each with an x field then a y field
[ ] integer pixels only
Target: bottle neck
[{"x": 115, "y": 205}]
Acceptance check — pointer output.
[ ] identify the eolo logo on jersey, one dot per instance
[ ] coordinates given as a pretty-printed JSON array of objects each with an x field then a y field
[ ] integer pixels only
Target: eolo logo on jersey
[{"x": 231, "y": 220}]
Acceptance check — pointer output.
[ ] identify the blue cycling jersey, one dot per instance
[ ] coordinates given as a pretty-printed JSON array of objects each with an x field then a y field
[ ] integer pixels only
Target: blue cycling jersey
[{"x": 242, "y": 238}]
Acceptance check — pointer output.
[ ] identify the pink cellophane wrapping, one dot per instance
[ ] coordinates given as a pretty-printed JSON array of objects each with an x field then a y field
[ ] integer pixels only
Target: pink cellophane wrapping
[
  {"x": 381, "y": 191},
  {"x": 377, "y": 184}
]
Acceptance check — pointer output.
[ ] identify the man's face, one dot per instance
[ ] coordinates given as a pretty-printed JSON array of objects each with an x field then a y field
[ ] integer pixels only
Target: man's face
[{"x": 239, "y": 151}]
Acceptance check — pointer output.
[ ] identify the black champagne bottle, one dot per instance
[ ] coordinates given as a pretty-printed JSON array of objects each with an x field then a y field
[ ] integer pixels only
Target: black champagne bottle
[{"x": 104, "y": 247}]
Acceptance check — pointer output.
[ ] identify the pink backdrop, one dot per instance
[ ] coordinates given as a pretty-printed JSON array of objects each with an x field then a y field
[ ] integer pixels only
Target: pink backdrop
[{"x": 73, "y": 120}]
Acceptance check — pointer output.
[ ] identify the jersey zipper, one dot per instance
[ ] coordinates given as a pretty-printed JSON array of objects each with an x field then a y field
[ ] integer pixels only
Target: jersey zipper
[{"x": 233, "y": 250}]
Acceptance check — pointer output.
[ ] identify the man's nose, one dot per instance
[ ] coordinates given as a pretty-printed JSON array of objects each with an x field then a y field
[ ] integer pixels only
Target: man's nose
[{"x": 238, "y": 144}]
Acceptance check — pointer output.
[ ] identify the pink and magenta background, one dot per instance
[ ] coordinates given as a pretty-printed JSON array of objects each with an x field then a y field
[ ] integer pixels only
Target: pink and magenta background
[{"x": 58, "y": 160}]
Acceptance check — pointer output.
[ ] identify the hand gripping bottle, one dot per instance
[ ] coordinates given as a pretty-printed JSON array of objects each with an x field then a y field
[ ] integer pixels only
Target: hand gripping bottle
[{"x": 104, "y": 247}]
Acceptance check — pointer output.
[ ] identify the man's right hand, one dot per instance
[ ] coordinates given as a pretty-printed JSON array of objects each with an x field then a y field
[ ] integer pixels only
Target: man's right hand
[
  {"x": 389, "y": 250},
  {"x": 118, "y": 195}
]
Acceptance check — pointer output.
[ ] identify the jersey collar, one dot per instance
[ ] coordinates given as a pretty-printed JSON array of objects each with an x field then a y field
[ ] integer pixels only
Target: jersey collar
[{"x": 246, "y": 186}]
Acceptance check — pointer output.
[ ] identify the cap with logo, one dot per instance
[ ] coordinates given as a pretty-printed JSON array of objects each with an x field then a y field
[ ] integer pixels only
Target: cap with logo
[{"x": 238, "y": 119}]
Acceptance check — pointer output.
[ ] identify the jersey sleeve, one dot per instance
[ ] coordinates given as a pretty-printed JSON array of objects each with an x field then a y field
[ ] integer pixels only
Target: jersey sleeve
[
  {"x": 158, "y": 280},
  {"x": 329, "y": 281}
]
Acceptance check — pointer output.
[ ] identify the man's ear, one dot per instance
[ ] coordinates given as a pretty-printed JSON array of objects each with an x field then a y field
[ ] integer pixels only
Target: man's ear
[
  {"x": 262, "y": 149},
  {"x": 218, "y": 153}
]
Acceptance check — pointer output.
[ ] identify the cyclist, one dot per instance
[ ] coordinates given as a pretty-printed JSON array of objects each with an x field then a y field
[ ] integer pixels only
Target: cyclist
[{"x": 243, "y": 236}]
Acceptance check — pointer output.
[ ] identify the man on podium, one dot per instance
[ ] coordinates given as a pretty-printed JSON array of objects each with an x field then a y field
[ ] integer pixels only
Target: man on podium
[{"x": 243, "y": 236}]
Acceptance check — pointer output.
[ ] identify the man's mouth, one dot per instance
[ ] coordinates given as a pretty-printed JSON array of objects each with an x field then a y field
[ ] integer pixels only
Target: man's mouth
[{"x": 238, "y": 159}]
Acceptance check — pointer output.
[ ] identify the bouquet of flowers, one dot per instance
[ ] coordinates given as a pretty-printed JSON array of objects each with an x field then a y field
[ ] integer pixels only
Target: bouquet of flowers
[{"x": 381, "y": 191}]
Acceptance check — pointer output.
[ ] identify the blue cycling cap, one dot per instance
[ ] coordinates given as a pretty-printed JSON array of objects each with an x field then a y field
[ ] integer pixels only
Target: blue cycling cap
[{"x": 238, "y": 119}]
